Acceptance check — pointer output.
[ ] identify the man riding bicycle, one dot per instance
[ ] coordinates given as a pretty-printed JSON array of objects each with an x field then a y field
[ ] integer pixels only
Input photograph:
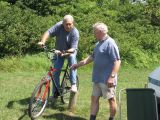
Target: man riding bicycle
[{"x": 67, "y": 37}]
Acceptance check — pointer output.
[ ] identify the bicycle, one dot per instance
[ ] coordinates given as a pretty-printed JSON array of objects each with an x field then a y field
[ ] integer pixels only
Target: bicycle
[{"x": 41, "y": 93}]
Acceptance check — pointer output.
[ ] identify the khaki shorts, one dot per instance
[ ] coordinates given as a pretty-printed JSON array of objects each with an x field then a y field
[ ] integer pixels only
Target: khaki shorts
[{"x": 100, "y": 89}]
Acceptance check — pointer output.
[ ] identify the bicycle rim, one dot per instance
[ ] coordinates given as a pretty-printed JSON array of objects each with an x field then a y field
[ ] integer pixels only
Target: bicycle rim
[
  {"x": 66, "y": 89},
  {"x": 66, "y": 86},
  {"x": 39, "y": 99}
]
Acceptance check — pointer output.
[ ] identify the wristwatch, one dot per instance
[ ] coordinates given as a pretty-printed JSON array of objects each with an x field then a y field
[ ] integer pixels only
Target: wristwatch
[{"x": 113, "y": 75}]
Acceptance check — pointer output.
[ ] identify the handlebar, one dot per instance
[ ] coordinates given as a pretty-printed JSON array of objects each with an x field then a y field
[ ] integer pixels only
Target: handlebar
[
  {"x": 47, "y": 50},
  {"x": 54, "y": 51}
]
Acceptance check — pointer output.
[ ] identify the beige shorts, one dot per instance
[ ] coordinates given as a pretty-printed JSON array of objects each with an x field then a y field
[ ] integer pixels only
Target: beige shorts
[{"x": 100, "y": 89}]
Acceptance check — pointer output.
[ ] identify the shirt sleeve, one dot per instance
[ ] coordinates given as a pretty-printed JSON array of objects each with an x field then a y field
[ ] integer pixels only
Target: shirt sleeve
[
  {"x": 114, "y": 52},
  {"x": 75, "y": 39},
  {"x": 54, "y": 29}
]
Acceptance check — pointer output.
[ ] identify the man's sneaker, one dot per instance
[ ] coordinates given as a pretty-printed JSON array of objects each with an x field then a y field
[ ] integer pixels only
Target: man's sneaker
[{"x": 74, "y": 88}]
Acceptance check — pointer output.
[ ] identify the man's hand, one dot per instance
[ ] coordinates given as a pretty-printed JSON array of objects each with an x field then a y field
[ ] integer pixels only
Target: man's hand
[
  {"x": 41, "y": 44},
  {"x": 58, "y": 52},
  {"x": 65, "y": 53},
  {"x": 110, "y": 82},
  {"x": 74, "y": 66}
]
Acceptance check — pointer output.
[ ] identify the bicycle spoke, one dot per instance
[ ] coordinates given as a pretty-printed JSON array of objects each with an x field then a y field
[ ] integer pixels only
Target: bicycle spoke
[{"x": 39, "y": 99}]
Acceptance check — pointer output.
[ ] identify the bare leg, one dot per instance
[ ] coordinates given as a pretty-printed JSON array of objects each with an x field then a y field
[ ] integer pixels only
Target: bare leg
[
  {"x": 94, "y": 107},
  {"x": 113, "y": 107}
]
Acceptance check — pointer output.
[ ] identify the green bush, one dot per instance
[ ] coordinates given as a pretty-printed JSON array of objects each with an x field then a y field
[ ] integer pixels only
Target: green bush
[
  {"x": 20, "y": 30},
  {"x": 135, "y": 27}
]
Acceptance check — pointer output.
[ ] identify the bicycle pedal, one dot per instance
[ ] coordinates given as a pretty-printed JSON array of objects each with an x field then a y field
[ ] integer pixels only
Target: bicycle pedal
[{"x": 68, "y": 88}]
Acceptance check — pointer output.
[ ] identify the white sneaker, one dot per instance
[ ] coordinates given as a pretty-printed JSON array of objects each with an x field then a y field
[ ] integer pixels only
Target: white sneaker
[{"x": 74, "y": 88}]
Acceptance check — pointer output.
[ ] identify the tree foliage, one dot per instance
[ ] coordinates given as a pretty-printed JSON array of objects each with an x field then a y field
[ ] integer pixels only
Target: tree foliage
[{"x": 135, "y": 27}]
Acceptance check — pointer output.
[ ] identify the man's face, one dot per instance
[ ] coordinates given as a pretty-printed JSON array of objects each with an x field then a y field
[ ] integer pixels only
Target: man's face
[
  {"x": 97, "y": 34},
  {"x": 68, "y": 25}
]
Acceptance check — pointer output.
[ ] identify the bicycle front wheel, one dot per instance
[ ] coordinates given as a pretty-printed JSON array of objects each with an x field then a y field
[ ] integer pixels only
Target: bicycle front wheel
[
  {"x": 39, "y": 99},
  {"x": 66, "y": 89}
]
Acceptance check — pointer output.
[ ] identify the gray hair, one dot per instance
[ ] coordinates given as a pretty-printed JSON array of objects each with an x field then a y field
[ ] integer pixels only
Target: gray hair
[
  {"x": 101, "y": 27},
  {"x": 66, "y": 17}
]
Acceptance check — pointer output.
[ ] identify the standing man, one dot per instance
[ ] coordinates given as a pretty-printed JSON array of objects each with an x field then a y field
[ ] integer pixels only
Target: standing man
[
  {"x": 106, "y": 64},
  {"x": 67, "y": 37}
]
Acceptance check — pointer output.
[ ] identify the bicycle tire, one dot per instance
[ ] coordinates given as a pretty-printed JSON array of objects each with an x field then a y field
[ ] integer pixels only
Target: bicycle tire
[
  {"x": 66, "y": 86},
  {"x": 39, "y": 99}
]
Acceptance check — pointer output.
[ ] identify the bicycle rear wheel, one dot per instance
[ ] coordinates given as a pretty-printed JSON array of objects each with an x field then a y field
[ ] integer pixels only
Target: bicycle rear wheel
[
  {"x": 66, "y": 88},
  {"x": 39, "y": 99}
]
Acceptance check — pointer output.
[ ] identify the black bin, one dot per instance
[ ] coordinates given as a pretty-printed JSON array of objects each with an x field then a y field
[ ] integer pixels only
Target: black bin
[{"x": 141, "y": 104}]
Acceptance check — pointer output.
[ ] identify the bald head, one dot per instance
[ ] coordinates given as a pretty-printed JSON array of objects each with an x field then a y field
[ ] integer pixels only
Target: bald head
[
  {"x": 100, "y": 30},
  {"x": 100, "y": 27},
  {"x": 68, "y": 22},
  {"x": 68, "y": 17}
]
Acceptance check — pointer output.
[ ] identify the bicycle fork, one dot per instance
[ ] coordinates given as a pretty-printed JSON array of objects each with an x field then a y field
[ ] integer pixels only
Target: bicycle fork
[{"x": 43, "y": 97}]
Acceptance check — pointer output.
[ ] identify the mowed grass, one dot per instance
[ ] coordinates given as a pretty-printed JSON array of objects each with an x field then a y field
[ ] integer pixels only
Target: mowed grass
[{"x": 16, "y": 88}]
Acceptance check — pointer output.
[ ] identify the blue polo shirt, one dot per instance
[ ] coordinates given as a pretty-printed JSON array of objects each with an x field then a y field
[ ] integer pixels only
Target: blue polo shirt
[
  {"x": 64, "y": 39},
  {"x": 104, "y": 55}
]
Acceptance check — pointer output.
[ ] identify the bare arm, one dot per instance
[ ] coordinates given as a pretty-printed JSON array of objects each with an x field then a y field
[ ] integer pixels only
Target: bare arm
[
  {"x": 87, "y": 60},
  {"x": 116, "y": 67},
  {"x": 115, "y": 70},
  {"x": 71, "y": 50},
  {"x": 44, "y": 38}
]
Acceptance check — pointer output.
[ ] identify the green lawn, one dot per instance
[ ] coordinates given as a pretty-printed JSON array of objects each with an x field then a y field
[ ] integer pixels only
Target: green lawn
[{"x": 16, "y": 88}]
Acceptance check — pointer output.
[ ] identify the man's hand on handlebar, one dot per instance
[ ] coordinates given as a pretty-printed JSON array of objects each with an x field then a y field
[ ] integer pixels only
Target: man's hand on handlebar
[
  {"x": 61, "y": 53},
  {"x": 58, "y": 52},
  {"x": 64, "y": 53},
  {"x": 42, "y": 44}
]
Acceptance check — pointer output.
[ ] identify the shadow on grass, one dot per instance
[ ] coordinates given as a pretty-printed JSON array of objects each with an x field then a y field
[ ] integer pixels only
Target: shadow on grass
[
  {"x": 62, "y": 116},
  {"x": 24, "y": 101},
  {"x": 56, "y": 105}
]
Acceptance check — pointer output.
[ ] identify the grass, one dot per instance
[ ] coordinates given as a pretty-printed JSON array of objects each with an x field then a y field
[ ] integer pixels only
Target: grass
[
  {"x": 24, "y": 63},
  {"x": 16, "y": 88}
]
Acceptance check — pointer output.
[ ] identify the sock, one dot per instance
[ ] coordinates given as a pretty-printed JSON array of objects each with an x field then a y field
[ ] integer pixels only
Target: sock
[
  {"x": 92, "y": 117},
  {"x": 111, "y": 118}
]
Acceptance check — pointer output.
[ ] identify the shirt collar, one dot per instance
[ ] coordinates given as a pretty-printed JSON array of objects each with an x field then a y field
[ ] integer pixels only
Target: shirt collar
[{"x": 105, "y": 38}]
